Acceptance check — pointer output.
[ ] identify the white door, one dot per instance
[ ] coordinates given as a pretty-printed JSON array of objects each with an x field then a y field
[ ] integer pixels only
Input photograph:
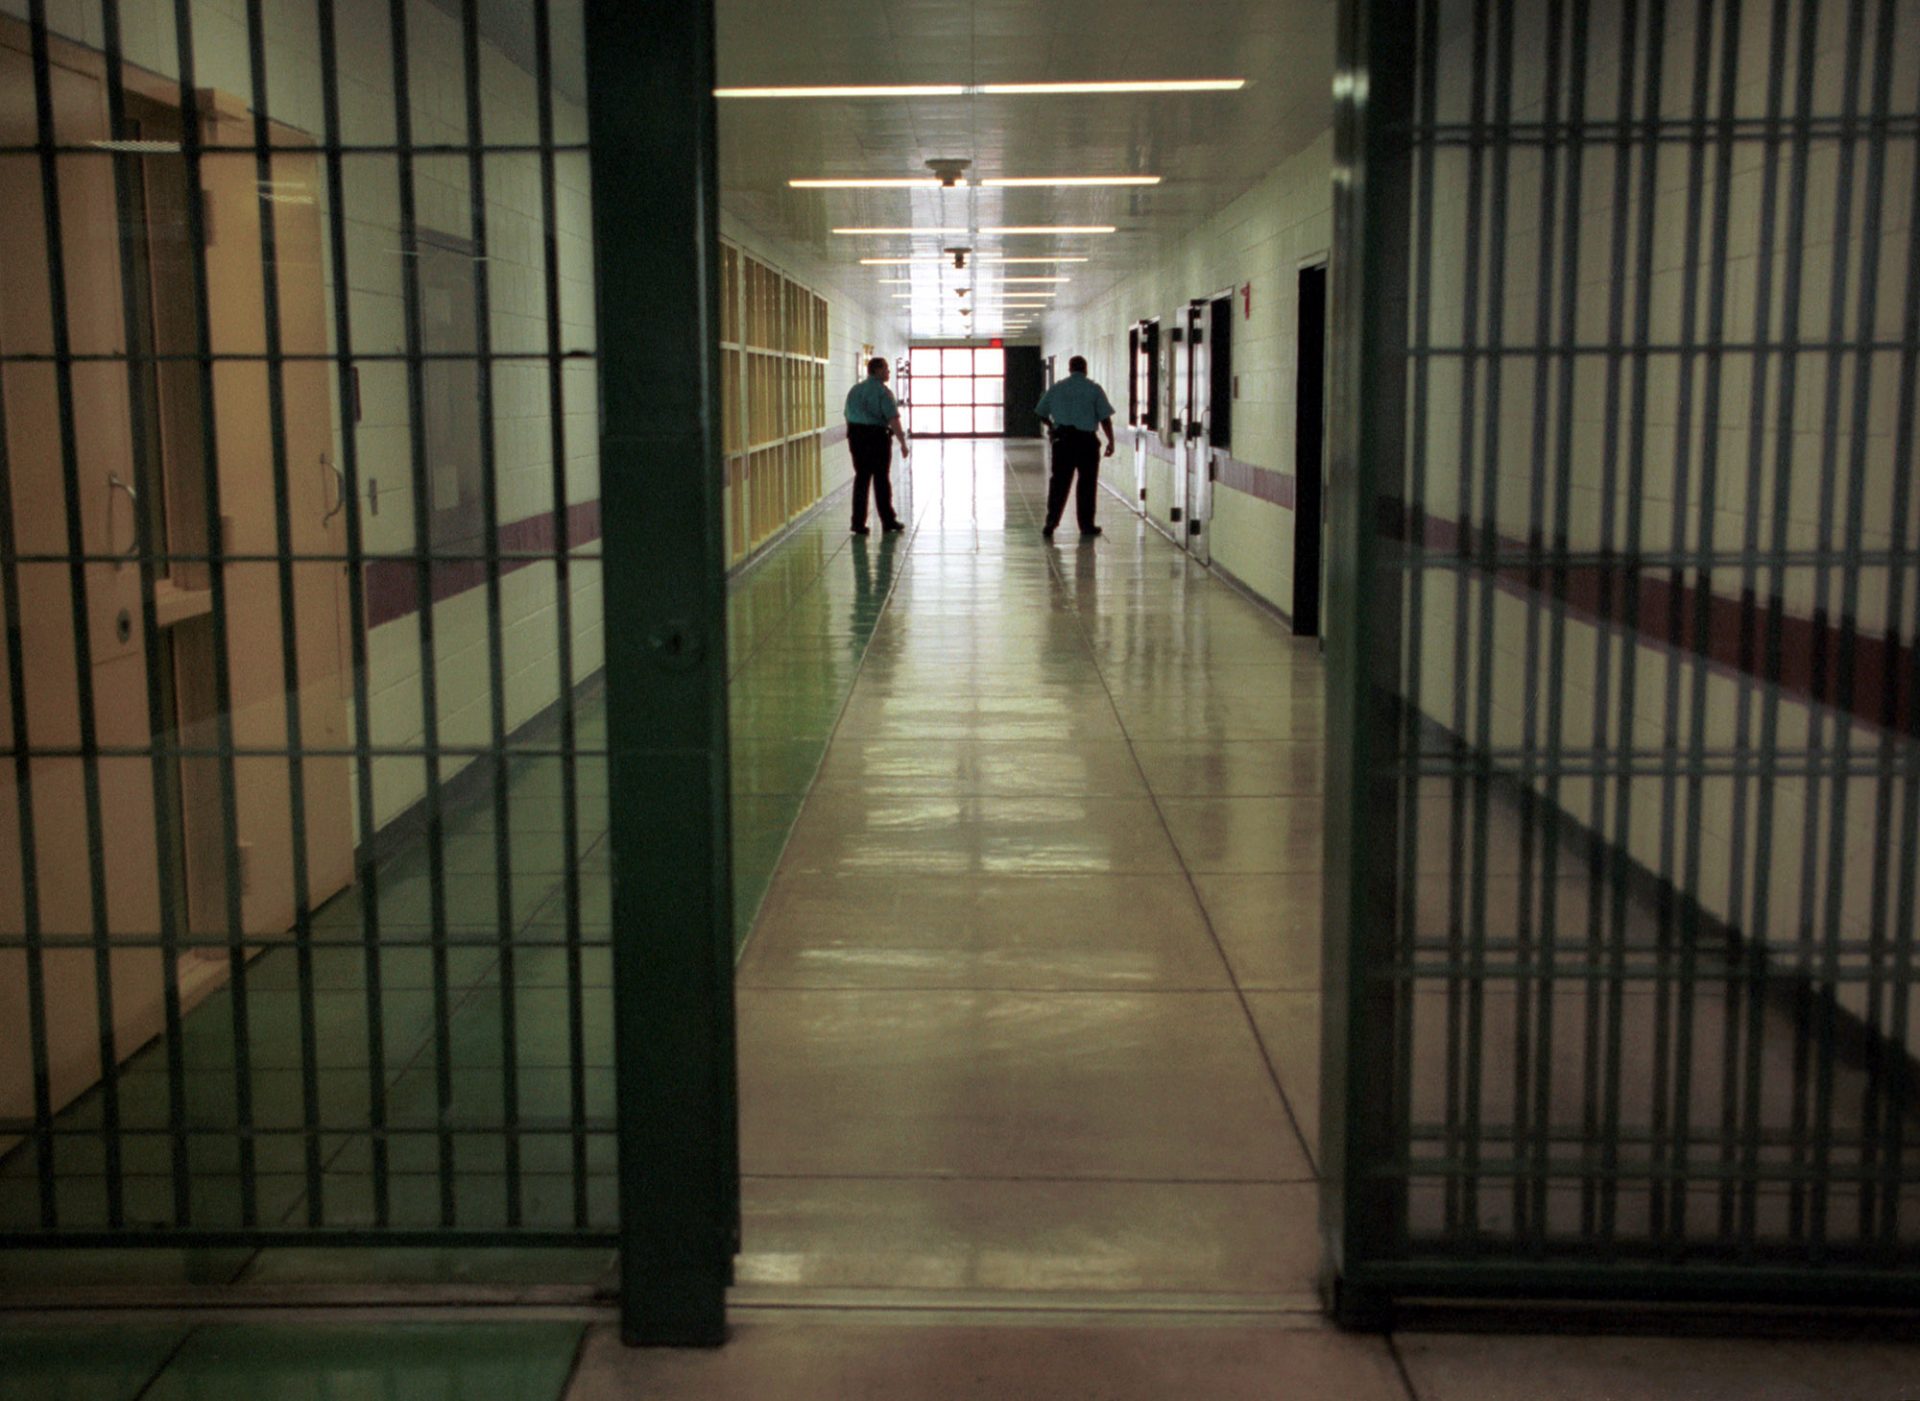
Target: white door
[{"x": 1198, "y": 454}]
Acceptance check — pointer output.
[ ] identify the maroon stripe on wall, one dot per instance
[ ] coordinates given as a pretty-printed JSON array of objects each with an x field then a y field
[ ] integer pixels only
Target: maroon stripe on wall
[
  {"x": 836, "y": 434},
  {"x": 1263, "y": 483},
  {"x": 393, "y": 582},
  {"x": 1736, "y": 633},
  {"x": 1270, "y": 486}
]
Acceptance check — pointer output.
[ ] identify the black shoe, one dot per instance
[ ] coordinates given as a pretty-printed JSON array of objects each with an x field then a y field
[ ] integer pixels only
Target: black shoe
[
  {"x": 1091, "y": 531},
  {"x": 893, "y": 527},
  {"x": 1046, "y": 532},
  {"x": 861, "y": 530}
]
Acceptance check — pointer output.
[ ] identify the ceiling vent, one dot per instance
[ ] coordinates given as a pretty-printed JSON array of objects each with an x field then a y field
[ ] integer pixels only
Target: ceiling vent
[{"x": 948, "y": 171}]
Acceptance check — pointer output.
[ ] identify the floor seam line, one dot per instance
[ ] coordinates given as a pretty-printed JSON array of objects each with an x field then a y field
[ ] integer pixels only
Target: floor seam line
[
  {"x": 1246, "y": 1009},
  {"x": 173, "y": 1355}
]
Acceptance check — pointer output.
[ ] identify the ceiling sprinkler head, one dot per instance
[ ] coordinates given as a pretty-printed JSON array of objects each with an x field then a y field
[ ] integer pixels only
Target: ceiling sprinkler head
[
  {"x": 960, "y": 257},
  {"x": 961, "y": 291},
  {"x": 947, "y": 170},
  {"x": 966, "y": 311}
]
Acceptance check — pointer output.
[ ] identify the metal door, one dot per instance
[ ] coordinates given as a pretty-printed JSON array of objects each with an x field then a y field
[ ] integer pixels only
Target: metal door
[
  {"x": 1197, "y": 429},
  {"x": 289, "y": 411},
  {"x": 1623, "y": 809},
  {"x": 1180, "y": 399}
]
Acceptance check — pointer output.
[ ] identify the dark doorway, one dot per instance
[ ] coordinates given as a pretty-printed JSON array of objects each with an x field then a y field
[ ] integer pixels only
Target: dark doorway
[
  {"x": 1220, "y": 373},
  {"x": 1024, "y": 389},
  {"x": 1309, "y": 452}
]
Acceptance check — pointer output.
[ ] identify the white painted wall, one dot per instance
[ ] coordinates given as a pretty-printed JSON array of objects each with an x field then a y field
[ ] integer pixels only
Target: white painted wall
[
  {"x": 436, "y": 92},
  {"x": 1262, "y": 239}
]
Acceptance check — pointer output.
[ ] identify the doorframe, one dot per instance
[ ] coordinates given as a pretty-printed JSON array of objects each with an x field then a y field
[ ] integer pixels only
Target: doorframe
[
  {"x": 1309, "y": 468},
  {"x": 653, "y": 164},
  {"x": 1198, "y": 311}
]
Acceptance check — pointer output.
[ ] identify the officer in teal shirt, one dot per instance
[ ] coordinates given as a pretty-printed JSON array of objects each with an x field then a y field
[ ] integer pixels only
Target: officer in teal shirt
[
  {"x": 1072, "y": 409},
  {"x": 873, "y": 422}
]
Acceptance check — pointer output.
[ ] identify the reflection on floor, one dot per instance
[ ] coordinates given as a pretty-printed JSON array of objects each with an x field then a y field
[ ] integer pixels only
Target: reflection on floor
[
  {"x": 799, "y": 621},
  {"x": 1029, "y": 1023}
]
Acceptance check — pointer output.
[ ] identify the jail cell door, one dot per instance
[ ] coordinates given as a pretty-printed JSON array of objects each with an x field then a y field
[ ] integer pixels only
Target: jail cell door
[{"x": 80, "y": 470}]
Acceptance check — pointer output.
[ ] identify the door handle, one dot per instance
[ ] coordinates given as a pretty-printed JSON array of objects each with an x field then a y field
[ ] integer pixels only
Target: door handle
[
  {"x": 340, "y": 499},
  {"x": 342, "y": 495},
  {"x": 114, "y": 483}
]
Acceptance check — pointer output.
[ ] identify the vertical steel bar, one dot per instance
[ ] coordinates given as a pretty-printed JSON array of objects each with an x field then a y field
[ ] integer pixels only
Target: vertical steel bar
[
  {"x": 496, "y": 646},
  {"x": 563, "y": 612},
  {"x": 1833, "y": 676},
  {"x": 1459, "y": 857},
  {"x": 346, "y": 393},
  {"x": 1569, "y": 278},
  {"x": 289, "y": 631},
  {"x": 1414, "y": 542},
  {"x": 80, "y": 621},
  {"x": 1673, "y": 994},
  {"x": 1774, "y": 650},
  {"x": 1737, "y": 1225},
  {"x": 1534, "y": 943},
  {"x": 127, "y": 178},
  {"x": 191, "y": 140},
  {"x": 651, "y": 123},
  {"x": 423, "y": 588},
  {"x": 1894, "y": 934},
  {"x": 1486, "y": 552},
  {"x": 1692, "y": 876},
  {"x": 1620, "y": 899},
  {"x": 1602, "y": 860},
  {"x": 33, "y": 950},
  {"x": 1364, "y": 1202}
]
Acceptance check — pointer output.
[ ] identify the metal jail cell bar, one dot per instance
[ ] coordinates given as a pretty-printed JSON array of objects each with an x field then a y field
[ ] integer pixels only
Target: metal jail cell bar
[
  {"x": 1641, "y": 978},
  {"x": 288, "y": 1119}
]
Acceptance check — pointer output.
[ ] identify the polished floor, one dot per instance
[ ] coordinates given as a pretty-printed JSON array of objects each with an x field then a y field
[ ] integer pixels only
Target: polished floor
[{"x": 1028, "y": 1028}]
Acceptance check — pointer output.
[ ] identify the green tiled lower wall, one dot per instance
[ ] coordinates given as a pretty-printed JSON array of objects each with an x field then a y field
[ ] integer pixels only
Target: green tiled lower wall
[{"x": 799, "y": 623}]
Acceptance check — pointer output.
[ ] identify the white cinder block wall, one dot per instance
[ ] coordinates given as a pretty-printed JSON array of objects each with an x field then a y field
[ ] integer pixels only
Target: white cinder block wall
[
  {"x": 1260, "y": 241},
  {"x": 1653, "y": 507},
  {"x": 1264, "y": 237},
  {"x": 523, "y": 439},
  {"x": 523, "y": 448}
]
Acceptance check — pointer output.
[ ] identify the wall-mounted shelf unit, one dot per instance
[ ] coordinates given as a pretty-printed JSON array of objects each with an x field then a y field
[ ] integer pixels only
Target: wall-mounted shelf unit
[{"x": 773, "y": 353}]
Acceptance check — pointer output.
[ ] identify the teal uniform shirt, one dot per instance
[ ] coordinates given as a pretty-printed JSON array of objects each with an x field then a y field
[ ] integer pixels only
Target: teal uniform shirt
[
  {"x": 871, "y": 403},
  {"x": 1075, "y": 402}
]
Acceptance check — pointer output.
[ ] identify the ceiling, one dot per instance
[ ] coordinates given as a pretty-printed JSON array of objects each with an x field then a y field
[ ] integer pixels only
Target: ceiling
[{"x": 1208, "y": 147}]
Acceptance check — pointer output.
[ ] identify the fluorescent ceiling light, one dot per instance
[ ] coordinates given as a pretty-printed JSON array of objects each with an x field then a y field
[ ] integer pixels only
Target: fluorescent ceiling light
[
  {"x": 855, "y": 90},
  {"x": 1049, "y": 229},
  {"x": 942, "y": 232},
  {"x": 1036, "y": 279},
  {"x": 988, "y": 89},
  {"x": 999, "y": 182},
  {"x": 1036, "y": 181},
  {"x": 919, "y": 184},
  {"x": 1153, "y": 85},
  {"x": 948, "y": 258}
]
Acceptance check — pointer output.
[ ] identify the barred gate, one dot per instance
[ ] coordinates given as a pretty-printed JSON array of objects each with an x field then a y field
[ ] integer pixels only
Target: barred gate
[
  {"x": 306, "y": 851},
  {"x": 1623, "y": 828}
]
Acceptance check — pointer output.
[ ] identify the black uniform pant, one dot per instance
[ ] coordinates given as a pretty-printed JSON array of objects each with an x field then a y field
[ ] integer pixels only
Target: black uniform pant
[
  {"x": 872, "y": 449},
  {"x": 1074, "y": 451}
]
